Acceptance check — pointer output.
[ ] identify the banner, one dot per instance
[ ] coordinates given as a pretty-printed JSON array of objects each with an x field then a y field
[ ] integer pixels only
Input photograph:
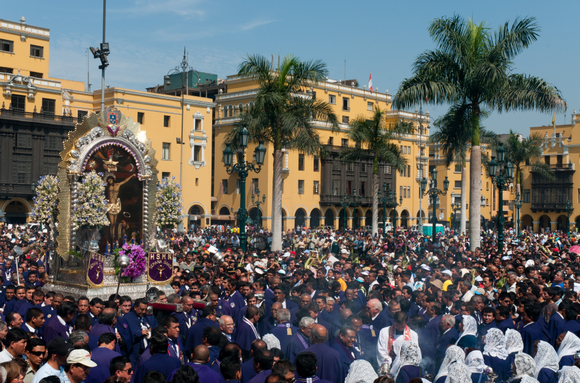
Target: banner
[
  {"x": 159, "y": 267},
  {"x": 96, "y": 270}
]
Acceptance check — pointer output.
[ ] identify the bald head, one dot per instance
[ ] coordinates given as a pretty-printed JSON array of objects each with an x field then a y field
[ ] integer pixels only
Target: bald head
[
  {"x": 277, "y": 305},
  {"x": 319, "y": 334},
  {"x": 108, "y": 317},
  {"x": 258, "y": 345},
  {"x": 200, "y": 354}
]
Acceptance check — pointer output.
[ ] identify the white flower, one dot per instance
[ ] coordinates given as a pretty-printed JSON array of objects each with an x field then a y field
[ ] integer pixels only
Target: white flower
[
  {"x": 92, "y": 205},
  {"x": 169, "y": 203}
]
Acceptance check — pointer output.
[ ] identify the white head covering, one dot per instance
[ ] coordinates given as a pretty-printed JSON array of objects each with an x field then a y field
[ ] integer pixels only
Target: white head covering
[
  {"x": 513, "y": 341},
  {"x": 271, "y": 341},
  {"x": 570, "y": 345},
  {"x": 458, "y": 373},
  {"x": 495, "y": 344},
  {"x": 525, "y": 365},
  {"x": 453, "y": 354},
  {"x": 569, "y": 374},
  {"x": 528, "y": 379},
  {"x": 469, "y": 327},
  {"x": 475, "y": 362},
  {"x": 546, "y": 357},
  {"x": 396, "y": 365},
  {"x": 410, "y": 356},
  {"x": 361, "y": 371}
]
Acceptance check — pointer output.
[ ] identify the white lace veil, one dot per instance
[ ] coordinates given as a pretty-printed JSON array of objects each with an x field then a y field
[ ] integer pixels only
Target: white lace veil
[
  {"x": 271, "y": 341},
  {"x": 569, "y": 374},
  {"x": 495, "y": 344},
  {"x": 475, "y": 362},
  {"x": 525, "y": 365},
  {"x": 410, "y": 354},
  {"x": 453, "y": 354},
  {"x": 529, "y": 379},
  {"x": 513, "y": 341},
  {"x": 546, "y": 357},
  {"x": 361, "y": 371},
  {"x": 570, "y": 345},
  {"x": 469, "y": 327},
  {"x": 458, "y": 373}
]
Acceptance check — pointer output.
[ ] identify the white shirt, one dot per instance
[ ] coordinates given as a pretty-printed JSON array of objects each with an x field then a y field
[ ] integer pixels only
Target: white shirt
[
  {"x": 5, "y": 356},
  {"x": 43, "y": 372},
  {"x": 383, "y": 344}
]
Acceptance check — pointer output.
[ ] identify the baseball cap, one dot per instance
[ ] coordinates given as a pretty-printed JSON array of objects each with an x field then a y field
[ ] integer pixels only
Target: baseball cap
[
  {"x": 80, "y": 357},
  {"x": 58, "y": 346}
]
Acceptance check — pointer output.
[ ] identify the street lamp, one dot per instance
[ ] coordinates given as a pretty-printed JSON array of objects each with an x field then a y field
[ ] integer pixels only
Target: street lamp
[
  {"x": 518, "y": 205},
  {"x": 501, "y": 173},
  {"x": 433, "y": 193},
  {"x": 183, "y": 70},
  {"x": 101, "y": 53},
  {"x": 392, "y": 201},
  {"x": 122, "y": 262},
  {"x": 242, "y": 167},
  {"x": 455, "y": 206},
  {"x": 256, "y": 200},
  {"x": 569, "y": 210},
  {"x": 356, "y": 202},
  {"x": 344, "y": 202}
]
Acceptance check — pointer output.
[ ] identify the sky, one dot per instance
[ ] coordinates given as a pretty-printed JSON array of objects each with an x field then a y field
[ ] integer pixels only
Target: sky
[{"x": 147, "y": 38}]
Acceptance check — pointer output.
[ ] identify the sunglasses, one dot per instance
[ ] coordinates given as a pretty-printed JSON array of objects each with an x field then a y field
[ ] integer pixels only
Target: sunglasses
[
  {"x": 129, "y": 370},
  {"x": 38, "y": 353}
]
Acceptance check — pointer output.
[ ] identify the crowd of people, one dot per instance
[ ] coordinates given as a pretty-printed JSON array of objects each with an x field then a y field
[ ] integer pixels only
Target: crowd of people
[{"x": 332, "y": 306}]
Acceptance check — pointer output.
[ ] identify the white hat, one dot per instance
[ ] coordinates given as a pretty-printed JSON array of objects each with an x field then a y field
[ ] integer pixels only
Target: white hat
[
  {"x": 365, "y": 273},
  {"x": 344, "y": 251},
  {"x": 448, "y": 272},
  {"x": 80, "y": 357}
]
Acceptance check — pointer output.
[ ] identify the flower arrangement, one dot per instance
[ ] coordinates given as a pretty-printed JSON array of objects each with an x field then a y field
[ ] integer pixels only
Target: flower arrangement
[
  {"x": 91, "y": 209},
  {"x": 46, "y": 200},
  {"x": 169, "y": 203},
  {"x": 137, "y": 260}
]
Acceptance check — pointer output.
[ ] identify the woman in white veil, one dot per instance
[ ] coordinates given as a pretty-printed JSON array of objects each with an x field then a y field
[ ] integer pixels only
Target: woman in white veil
[
  {"x": 458, "y": 373},
  {"x": 361, "y": 371},
  {"x": 468, "y": 336},
  {"x": 569, "y": 374},
  {"x": 409, "y": 361},
  {"x": 524, "y": 368},
  {"x": 513, "y": 342},
  {"x": 396, "y": 361},
  {"x": 474, "y": 361},
  {"x": 546, "y": 360},
  {"x": 567, "y": 344},
  {"x": 495, "y": 354},
  {"x": 453, "y": 355}
]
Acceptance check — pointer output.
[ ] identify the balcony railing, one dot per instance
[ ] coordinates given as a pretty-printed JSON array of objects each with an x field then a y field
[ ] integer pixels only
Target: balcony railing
[
  {"x": 546, "y": 205},
  {"x": 329, "y": 199},
  {"x": 41, "y": 117}
]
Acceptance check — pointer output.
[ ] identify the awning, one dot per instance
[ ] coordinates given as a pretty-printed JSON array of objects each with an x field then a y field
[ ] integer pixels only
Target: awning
[{"x": 223, "y": 217}]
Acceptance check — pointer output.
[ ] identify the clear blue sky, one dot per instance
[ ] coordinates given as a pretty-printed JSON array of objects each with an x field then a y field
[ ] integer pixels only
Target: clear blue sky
[{"x": 147, "y": 39}]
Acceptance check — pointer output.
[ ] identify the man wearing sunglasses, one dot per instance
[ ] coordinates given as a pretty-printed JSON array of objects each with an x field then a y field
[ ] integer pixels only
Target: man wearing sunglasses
[
  {"x": 121, "y": 369},
  {"x": 35, "y": 355},
  {"x": 58, "y": 349}
]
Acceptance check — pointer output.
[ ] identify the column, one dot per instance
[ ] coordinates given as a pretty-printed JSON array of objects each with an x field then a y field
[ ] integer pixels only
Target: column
[
  {"x": 553, "y": 225},
  {"x": 536, "y": 226},
  {"x": 349, "y": 222},
  {"x": 307, "y": 221},
  {"x": 336, "y": 220}
]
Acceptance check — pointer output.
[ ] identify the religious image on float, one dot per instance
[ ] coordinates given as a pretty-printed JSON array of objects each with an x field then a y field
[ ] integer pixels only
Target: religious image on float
[{"x": 124, "y": 193}]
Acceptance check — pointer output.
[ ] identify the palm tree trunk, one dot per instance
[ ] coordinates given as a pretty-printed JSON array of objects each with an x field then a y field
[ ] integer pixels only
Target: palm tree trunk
[
  {"x": 475, "y": 186},
  {"x": 277, "y": 201},
  {"x": 463, "y": 222},
  {"x": 375, "y": 203}
]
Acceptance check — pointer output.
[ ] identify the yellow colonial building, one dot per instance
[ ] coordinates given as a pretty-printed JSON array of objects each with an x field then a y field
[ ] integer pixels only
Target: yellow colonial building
[
  {"x": 547, "y": 203},
  {"x": 314, "y": 188},
  {"x": 38, "y": 111}
]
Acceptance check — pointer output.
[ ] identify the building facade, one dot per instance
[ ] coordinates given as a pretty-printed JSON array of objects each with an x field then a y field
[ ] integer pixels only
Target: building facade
[
  {"x": 548, "y": 203},
  {"x": 313, "y": 187},
  {"x": 38, "y": 111}
]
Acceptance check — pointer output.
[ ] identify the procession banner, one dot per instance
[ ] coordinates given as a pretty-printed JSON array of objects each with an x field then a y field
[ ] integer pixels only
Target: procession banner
[
  {"x": 95, "y": 272},
  {"x": 159, "y": 268}
]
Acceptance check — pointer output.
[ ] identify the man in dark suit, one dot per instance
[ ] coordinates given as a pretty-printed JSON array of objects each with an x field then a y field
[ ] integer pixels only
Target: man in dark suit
[
  {"x": 195, "y": 333},
  {"x": 280, "y": 294},
  {"x": 134, "y": 328},
  {"x": 449, "y": 336},
  {"x": 532, "y": 330},
  {"x": 61, "y": 324}
]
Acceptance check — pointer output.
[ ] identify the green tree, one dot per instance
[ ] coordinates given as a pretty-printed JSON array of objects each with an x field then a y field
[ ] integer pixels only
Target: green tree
[
  {"x": 284, "y": 115},
  {"x": 471, "y": 70},
  {"x": 526, "y": 151},
  {"x": 373, "y": 139}
]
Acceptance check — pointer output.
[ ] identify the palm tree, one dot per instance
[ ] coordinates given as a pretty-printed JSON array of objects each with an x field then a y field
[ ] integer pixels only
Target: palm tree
[
  {"x": 283, "y": 114},
  {"x": 472, "y": 70},
  {"x": 526, "y": 151},
  {"x": 454, "y": 141},
  {"x": 373, "y": 139}
]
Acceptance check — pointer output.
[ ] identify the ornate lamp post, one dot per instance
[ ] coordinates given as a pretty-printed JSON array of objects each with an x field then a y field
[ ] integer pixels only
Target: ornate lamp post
[
  {"x": 356, "y": 202},
  {"x": 383, "y": 200},
  {"x": 433, "y": 193},
  {"x": 392, "y": 201},
  {"x": 123, "y": 262},
  {"x": 502, "y": 174},
  {"x": 242, "y": 167},
  {"x": 455, "y": 206},
  {"x": 256, "y": 200},
  {"x": 518, "y": 205},
  {"x": 569, "y": 210}
]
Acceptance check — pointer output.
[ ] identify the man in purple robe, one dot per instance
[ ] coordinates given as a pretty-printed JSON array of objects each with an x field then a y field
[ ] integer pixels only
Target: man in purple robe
[
  {"x": 300, "y": 341},
  {"x": 263, "y": 362},
  {"x": 284, "y": 329},
  {"x": 160, "y": 359},
  {"x": 105, "y": 352},
  {"x": 248, "y": 371},
  {"x": 306, "y": 368},
  {"x": 60, "y": 325},
  {"x": 200, "y": 358},
  {"x": 195, "y": 333},
  {"x": 330, "y": 365},
  {"x": 344, "y": 344},
  {"x": 106, "y": 324},
  {"x": 532, "y": 330},
  {"x": 247, "y": 332}
]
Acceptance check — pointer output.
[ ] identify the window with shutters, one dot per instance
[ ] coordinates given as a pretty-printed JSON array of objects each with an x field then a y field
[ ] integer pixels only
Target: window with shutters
[
  {"x": 301, "y": 161},
  {"x": 332, "y": 99},
  {"x": 166, "y": 121},
  {"x": 36, "y": 51},
  {"x": 81, "y": 114},
  {"x": 316, "y": 188},
  {"x": 6, "y": 46},
  {"x": 140, "y": 117},
  {"x": 22, "y": 172},
  {"x": 458, "y": 184},
  {"x": 300, "y": 186},
  {"x": 165, "y": 175},
  {"x": 165, "y": 151},
  {"x": 18, "y": 103},
  {"x": 24, "y": 140},
  {"x": 335, "y": 187},
  {"x": 316, "y": 163},
  {"x": 48, "y": 106}
]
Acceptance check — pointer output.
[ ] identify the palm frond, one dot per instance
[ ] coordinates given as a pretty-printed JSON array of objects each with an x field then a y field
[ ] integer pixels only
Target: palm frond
[{"x": 523, "y": 92}]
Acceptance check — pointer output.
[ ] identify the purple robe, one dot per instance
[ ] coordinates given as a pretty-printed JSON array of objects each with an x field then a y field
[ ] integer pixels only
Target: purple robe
[
  {"x": 329, "y": 362},
  {"x": 297, "y": 344},
  {"x": 281, "y": 332},
  {"x": 99, "y": 329},
  {"x": 195, "y": 333},
  {"x": 158, "y": 362},
  {"x": 530, "y": 334},
  {"x": 245, "y": 335},
  {"x": 55, "y": 329},
  {"x": 248, "y": 371},
  {"x": 261, "y": 376},
  {"x": 103, "y": 356}
]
